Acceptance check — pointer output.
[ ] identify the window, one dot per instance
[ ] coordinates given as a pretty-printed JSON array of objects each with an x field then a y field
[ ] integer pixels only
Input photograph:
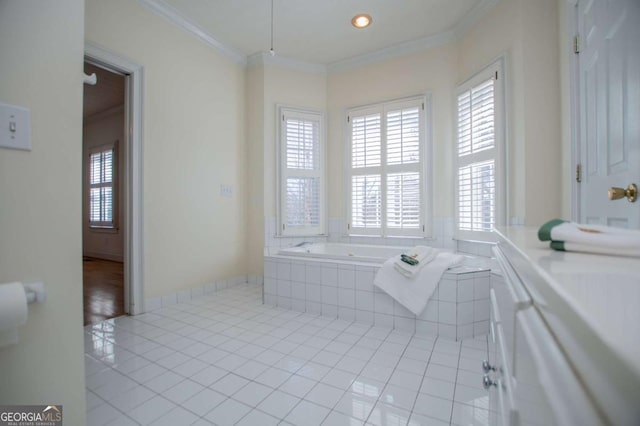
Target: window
[
  {"x": 101, "y": 187},
  {"x": 479, "y": 152},
  {"x": 387, "y": 179},
  {"x": 301, "y": 172}
]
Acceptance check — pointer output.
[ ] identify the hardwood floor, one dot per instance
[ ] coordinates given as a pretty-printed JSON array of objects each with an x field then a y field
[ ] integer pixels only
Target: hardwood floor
[{"x": 103, "y": 286}]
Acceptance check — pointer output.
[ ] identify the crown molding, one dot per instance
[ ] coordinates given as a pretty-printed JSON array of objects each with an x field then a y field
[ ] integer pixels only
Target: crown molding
[
  {"x": 168, "y": 12},
  {"x": 262, "y": 58},
  {"x": 473, "y": 16},
  {"x": 407, "y": 48},
  {"x": 394, "y": 51}
]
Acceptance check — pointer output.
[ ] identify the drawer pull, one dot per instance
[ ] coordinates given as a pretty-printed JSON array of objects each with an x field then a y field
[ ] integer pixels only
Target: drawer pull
[
  {"x": 486, "y": 367},
  {"x": 487, "y": 382}
]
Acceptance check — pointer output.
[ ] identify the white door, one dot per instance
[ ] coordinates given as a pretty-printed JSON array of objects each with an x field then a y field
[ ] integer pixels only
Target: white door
[{"x": 609, "y": 69}]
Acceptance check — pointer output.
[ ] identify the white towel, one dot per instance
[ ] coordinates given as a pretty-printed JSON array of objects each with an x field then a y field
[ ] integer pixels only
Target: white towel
[
  {"x": 571, "y": 236},
  {"x": 414, "y": 293},
  {"x": 422, "y": 254}
]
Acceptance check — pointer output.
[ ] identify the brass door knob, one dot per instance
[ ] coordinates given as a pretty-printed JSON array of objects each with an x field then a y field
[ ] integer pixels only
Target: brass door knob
[{"x": 631, "y": 193}]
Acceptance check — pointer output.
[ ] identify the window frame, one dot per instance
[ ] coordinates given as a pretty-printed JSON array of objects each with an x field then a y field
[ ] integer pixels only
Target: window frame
[
  {"x": 283, "y": 111},
  {"x": 495, "y": 71},
  {"x": 106, "y": 226},
  {"x": 423, "y": 167}
]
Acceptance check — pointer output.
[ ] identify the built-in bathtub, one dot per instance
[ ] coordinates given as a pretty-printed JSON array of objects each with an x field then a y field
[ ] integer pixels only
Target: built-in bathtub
[
  {"x": 336, "y": 280},
  {"x": 344, "y": 252}
]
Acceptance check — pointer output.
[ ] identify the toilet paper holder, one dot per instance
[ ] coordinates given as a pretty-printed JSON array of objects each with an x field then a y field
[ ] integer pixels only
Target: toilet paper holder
[{"x": 35, "y": 292}]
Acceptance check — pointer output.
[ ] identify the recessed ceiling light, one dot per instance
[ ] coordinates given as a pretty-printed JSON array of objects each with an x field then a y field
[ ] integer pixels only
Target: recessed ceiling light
[{"x": 361, "y": 20}]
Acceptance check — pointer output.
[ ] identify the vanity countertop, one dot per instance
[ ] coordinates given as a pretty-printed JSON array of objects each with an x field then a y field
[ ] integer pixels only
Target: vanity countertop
[{"x": 603, "y": 291}]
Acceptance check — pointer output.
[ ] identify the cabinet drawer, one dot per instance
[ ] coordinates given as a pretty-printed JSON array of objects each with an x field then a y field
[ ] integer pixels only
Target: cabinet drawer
[
  {"x": 508, "y": 411},
  {"x": 547, "y": 390}
]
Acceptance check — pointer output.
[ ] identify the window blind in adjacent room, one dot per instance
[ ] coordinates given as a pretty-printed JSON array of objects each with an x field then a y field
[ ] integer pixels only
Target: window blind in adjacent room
[{"x": 101, "y": 188}]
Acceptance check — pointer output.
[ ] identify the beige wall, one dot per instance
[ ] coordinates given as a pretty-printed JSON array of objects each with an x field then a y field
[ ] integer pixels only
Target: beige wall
[
  {"x": 255, "y": 164},
  {"x": 98, "y": 130},
  {"x": 432, "y": 71},
  {"x": 40, "y": 198},
  {"x": 194, "y": 141},
  {"x": 268, "y": 85}
]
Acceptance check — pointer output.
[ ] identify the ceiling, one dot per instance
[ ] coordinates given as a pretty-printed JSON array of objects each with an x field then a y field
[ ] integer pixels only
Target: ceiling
[
  {"x": 106, "y": 94},
  {"x": 320, "y": 31}
]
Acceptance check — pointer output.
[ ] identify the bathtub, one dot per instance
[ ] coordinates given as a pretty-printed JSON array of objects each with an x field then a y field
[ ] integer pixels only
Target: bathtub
[
  {"x": 336, "y": 281},
  {"x": 344, "y": 252}
]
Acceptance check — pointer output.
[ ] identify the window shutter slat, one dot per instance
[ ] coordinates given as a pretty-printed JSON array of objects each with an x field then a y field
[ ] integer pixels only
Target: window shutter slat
[
  {"x": 303, "y": 201},
  {"x": 403, "y": 136},
  {"x": 476, "y": 196},
  {"x": 366, "y": 141},
  {"x": 403, "y": 200},
  {"x": 366, "y": 201},
  {"x": 101, "y": 192},
  {"x": 302, "y": 144},
  {"x": 476, "y": 126}
]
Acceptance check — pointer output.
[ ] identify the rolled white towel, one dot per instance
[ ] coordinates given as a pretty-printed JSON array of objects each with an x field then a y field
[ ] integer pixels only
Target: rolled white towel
[
  {"x": 423, "y": 254},
  {"x": 571, "y": 236}
]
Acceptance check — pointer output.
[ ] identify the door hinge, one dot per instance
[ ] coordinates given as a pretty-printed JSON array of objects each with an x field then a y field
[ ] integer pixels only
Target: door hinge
[
  {"x": 348, "y": 118},
  {"x": 579, "y": 173},
  {"x": 283, "y": 226},
  {"x": 348, "y": 226},
  {"x": 576, "y": 44},
  {"x": 423, "y": 106},
  {"x": 496, "y": 75}
]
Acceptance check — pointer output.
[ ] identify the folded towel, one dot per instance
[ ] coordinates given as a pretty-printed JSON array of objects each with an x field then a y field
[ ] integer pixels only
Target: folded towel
[
  {"x": 598, "y": 239},
  {"x": 422, "y": 254},
  {"x": 414, "y": 292}
]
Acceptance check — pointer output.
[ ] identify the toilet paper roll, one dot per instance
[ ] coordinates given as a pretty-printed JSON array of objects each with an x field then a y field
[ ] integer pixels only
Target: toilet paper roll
[{"x": 13, "y": 311}]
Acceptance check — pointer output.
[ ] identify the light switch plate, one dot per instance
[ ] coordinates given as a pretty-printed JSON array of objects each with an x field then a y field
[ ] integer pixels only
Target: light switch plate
[
  {"x": 226, "y": 190},
  {"x": 15, "y": 127}
]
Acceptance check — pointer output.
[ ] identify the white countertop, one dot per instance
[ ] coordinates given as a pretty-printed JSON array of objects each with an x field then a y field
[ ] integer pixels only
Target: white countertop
[{"x": 603, "y": 290}]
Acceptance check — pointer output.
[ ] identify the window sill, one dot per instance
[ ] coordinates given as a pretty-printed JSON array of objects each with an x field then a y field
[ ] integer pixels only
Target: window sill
[
  {"x": 390, "y": 237},
  {"x": 104, "y": 229}
]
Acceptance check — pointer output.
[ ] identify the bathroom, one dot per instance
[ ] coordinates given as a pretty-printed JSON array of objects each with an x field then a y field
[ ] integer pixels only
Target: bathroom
[{"x": 207, "y": 204}]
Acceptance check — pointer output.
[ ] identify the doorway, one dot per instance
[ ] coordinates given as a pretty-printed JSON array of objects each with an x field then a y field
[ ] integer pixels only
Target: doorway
[
  {"x": 131, "y": 148},
  {"x": 103, "y": 179}
]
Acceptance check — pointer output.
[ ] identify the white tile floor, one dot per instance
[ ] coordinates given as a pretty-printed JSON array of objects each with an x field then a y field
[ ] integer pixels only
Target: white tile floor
[{"x": 226, "y": 359}]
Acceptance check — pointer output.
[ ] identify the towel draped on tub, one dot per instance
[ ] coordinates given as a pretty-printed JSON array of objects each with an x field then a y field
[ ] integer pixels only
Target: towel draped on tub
[{"x": 414, "y": 292}]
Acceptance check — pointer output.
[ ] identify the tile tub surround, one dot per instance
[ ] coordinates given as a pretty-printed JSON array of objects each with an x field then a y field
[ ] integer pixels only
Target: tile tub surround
[{"x": 458, "y": 309}]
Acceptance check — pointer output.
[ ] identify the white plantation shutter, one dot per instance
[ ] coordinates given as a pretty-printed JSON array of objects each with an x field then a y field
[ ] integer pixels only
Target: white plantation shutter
[
  {"x": 403, "y": 136},
  {"x": 386, "y": 150},
  {"x": 101, "y": 187},
  {"x": 301, "y": 172},
  {"x": 366, "y": 201},
  {"x": 476, "y": 195},
  {"x": 365, "y": 141},
  {"x": 403, "y": 201},
  {"x": 479, "y": 155}
]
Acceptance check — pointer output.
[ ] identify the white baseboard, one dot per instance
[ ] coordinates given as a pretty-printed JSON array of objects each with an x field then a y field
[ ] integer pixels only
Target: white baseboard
[
  {"x": 183, "y": 296},
  {"x": 104, "y": 256}
]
